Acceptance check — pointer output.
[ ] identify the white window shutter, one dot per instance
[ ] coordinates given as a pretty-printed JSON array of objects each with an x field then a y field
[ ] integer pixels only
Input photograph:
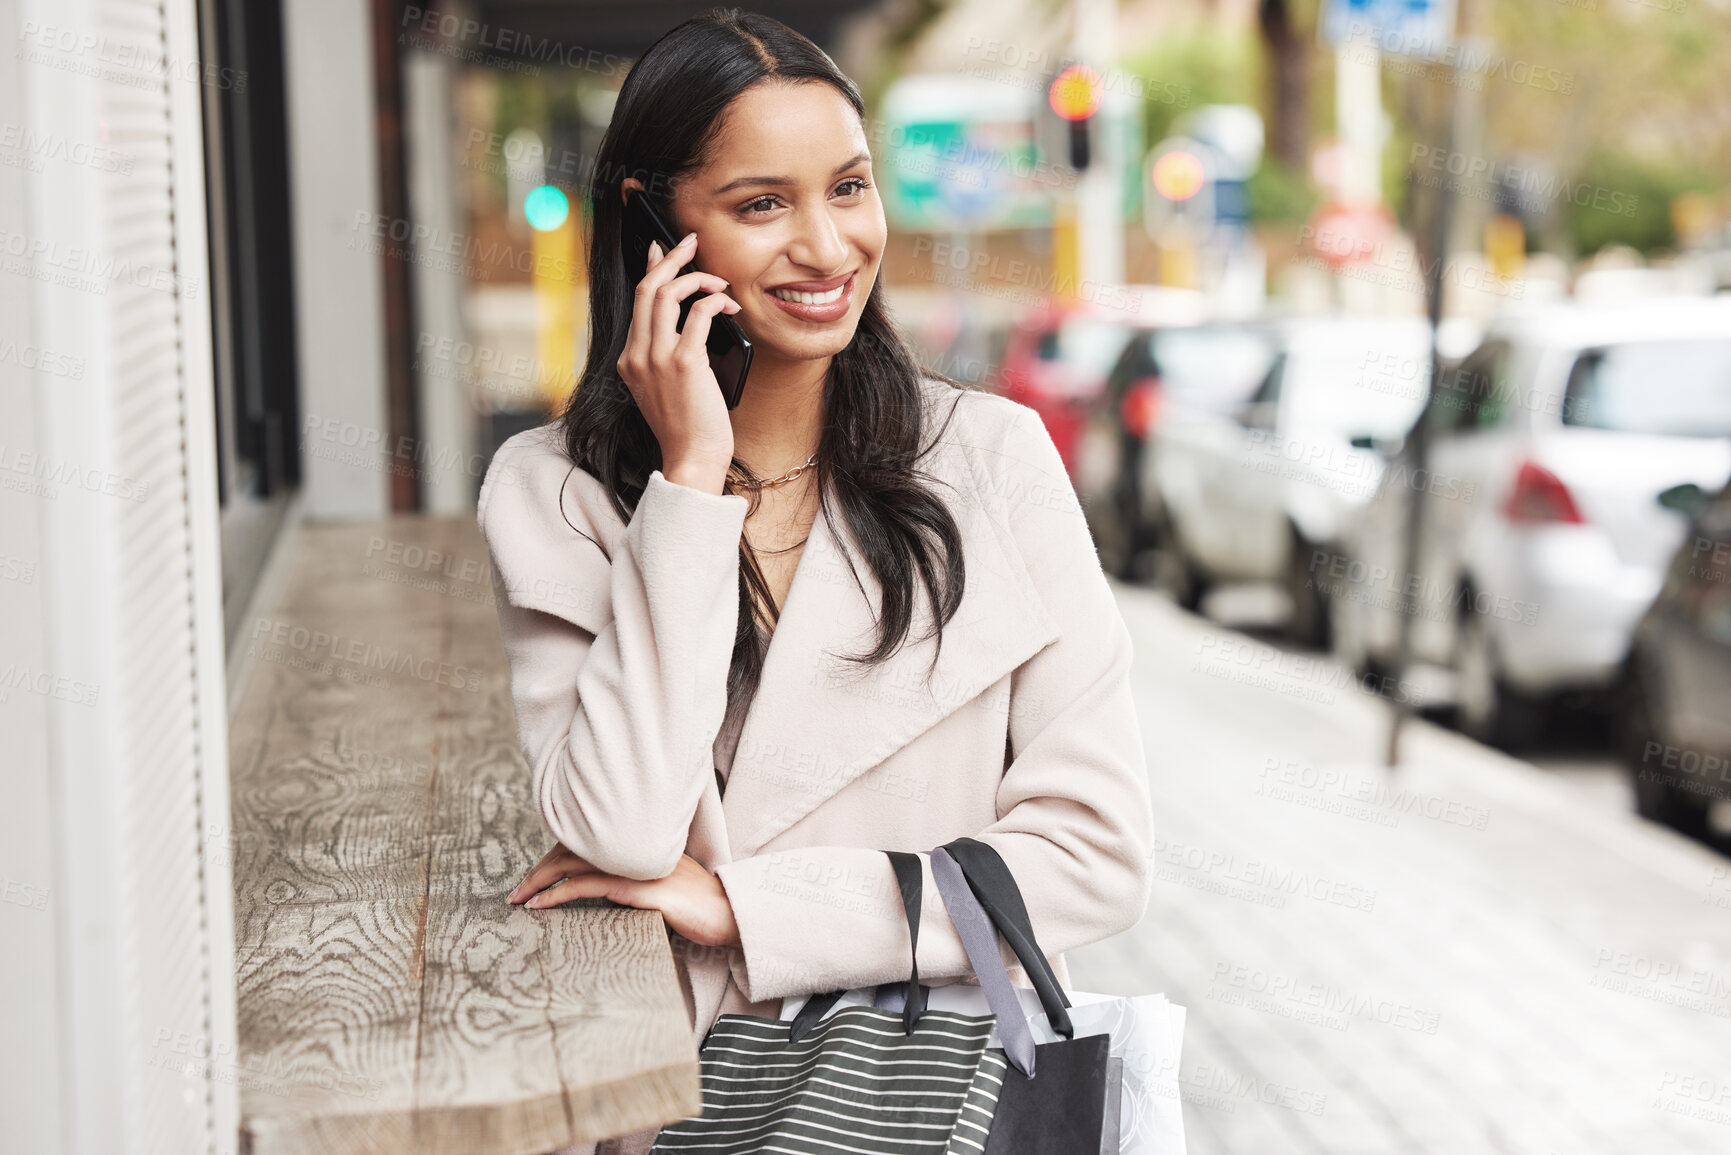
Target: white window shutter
[{"x": 136, "y": 806}]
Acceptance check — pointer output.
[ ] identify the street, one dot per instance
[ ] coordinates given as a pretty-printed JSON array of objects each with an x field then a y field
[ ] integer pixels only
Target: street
[{"x": 1469, "y": 955}]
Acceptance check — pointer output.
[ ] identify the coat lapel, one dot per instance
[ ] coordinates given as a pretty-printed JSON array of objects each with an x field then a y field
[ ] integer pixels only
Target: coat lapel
[{"x": 817, "y": 723}]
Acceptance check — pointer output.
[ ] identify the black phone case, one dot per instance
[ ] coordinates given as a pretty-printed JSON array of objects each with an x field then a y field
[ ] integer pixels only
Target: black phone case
[{"x": 729, "y": 349}]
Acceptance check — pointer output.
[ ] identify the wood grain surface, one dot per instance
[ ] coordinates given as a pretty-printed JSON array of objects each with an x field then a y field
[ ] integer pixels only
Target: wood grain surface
[{"x": 390, "y": 999}]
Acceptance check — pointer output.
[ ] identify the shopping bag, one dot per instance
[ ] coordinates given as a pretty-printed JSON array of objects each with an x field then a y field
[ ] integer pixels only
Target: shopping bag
[
  {"x": 910, "y": 1081},
  {"x": 1142, "y": 1114},
  {"x": 1053, "y": 1096},
  {"x": 1145, "y": 1032}
]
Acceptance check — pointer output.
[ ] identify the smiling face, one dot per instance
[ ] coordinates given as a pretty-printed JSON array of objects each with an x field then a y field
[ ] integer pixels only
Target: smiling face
[{"x": 786, "y": 209}]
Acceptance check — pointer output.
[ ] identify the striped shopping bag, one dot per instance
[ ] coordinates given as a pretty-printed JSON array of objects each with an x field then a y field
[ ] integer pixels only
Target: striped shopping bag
[{"x": 861, "y": 1081}]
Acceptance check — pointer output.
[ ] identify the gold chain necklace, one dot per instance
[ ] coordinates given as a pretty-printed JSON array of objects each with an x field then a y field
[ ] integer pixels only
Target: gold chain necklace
[
  {"x": 790, "y": 475},
  {"x": 782, "y": 480}
]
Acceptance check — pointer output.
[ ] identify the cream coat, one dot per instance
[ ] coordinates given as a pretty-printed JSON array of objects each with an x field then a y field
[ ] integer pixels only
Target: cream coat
[{"x": 1025, "y": 738}]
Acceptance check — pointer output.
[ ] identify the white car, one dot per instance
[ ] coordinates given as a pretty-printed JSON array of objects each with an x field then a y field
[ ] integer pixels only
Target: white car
[
  {"x": 1543, "y": 537},
  {"x": 1256, "y": 493}
]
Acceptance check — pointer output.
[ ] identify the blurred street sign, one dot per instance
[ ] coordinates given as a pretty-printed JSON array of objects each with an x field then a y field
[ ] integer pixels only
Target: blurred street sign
[
  {"x": 1423, "y": 28},
  {"x": 1232, "y": 203},
  {"x": 1346, "y": 234},
  {"x": 961, "y": 155}
]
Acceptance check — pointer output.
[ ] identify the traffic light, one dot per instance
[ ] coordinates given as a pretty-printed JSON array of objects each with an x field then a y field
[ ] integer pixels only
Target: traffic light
[
  {"x": 1180, "y": 187},
  {"x": 546, "y": 207},
  {"x": 1075, "y": 96},
  {"x": 1178, "y": 174}
]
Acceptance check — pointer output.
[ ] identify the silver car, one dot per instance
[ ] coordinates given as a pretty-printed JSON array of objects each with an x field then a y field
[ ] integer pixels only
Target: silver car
[
  {"x": 1254, "y": 493},
  {"x": 1544, "y": 538}
]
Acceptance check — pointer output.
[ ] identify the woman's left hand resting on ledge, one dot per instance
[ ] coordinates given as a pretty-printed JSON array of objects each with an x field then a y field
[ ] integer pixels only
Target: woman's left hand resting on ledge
[{"x": 691, "y": 899}]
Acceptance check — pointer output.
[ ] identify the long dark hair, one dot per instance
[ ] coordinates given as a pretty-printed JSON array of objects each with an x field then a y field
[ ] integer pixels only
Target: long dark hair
[{"x": 667, "y": 115}]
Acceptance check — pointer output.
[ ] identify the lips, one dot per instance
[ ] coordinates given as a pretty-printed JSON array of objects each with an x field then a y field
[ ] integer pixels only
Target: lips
[{"x": 816, "y": 301}]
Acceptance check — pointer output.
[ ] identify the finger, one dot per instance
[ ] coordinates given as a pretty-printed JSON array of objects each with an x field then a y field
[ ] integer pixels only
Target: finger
[
  {"x": 551, "y": 869},
  {"x": 595, "y": 885},
  {"x": 657, "y": 272},
  {"x": 664, "y": 330},
  {"x": 658, "y": 269},
  {"x": 695, "y": 338},
  {"x": 558, "y": 864}
]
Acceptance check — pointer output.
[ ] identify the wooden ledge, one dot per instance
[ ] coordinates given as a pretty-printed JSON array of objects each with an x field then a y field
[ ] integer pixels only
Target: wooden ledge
[{"x": 390, "y": 999}]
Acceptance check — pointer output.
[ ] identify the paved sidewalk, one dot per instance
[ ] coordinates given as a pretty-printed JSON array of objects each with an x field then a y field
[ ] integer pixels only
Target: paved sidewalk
[{"x": 1464, "y": 957}]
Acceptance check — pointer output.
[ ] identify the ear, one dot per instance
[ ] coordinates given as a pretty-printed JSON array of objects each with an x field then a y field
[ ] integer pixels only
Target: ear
[{"x": 627, "y": 185}]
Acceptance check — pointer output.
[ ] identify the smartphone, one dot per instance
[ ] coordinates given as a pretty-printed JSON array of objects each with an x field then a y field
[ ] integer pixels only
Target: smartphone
[{"x": 729, "y": 350}]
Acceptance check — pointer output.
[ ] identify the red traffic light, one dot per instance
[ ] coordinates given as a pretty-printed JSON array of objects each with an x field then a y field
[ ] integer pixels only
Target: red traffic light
[{"x": 1075, "y": 95}]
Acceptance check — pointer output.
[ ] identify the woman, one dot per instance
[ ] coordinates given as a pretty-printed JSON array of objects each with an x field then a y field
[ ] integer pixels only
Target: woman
[{"x": 752, "y": 649}]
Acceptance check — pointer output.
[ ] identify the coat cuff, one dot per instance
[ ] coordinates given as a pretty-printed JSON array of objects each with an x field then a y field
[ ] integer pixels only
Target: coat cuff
[
  {"x": 808, "y": 919},
  {"x": 685, "y": 543},
  {"x": 830, "y": 918},
  {"x": 826, "y": 918},
  {"x": 680, "y": 518}
]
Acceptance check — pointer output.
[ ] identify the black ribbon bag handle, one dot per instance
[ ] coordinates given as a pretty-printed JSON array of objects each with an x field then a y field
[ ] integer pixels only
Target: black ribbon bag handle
[
  {"x": 993, "y": 884},
  {"x": 910, "y": 881}
]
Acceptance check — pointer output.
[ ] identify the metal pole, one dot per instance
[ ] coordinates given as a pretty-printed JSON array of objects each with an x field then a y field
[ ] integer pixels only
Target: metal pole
[
  {"x": 1416, "y": 451},
  {"x": 1099, "y": 192}
]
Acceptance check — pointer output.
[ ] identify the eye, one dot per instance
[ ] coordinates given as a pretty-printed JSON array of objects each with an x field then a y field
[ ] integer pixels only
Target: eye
[
  {"x": 758, "y": 207},
  {"x": 860, "y": 185}
]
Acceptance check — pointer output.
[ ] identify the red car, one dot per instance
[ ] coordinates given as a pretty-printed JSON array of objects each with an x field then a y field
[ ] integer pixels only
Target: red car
[{"x": 1058, "y": 355}]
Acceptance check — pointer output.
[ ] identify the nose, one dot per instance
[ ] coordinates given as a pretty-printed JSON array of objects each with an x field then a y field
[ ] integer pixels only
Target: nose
[{"x": 817, "y": 243}]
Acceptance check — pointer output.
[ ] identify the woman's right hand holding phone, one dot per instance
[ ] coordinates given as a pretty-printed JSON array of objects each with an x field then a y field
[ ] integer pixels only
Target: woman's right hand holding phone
[{"x": 668, "y": 370}]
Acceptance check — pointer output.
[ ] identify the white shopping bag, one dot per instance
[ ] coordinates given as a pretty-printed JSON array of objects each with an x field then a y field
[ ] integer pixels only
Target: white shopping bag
[{"x": 1147, "y": 1032}]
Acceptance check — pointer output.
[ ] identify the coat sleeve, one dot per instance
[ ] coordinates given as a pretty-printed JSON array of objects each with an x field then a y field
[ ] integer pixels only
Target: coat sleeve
[
  {"x": 618, "y": 666},
  {"x": 1074, "y": 819}
]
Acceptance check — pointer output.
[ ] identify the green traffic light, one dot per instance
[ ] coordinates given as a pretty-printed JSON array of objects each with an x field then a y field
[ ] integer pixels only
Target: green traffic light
[{"x": 546, "y": 208}]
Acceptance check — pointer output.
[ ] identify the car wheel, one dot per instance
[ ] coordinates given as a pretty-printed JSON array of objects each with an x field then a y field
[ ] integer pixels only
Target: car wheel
[
  {"x": 1348, "y": 636},
  {"x": 1122, "y": 562},
  {"x": 1136, "y": 538},
  {"x": 1307, "y": 625},
  {"x": 1486, "y": 707},
  {"x": 1174, "y": 571},
  {"x": 1657, "y": 798}
]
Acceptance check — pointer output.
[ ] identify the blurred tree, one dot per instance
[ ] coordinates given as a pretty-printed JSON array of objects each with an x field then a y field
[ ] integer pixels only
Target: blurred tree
[
  {"x": 1279, "y": 195},
  {"x": 1628, "y": 97},
  {"x": 522, "y": 102},
  {"x": 1222, "y": 65},
  {"x": 899, "y": 28},
  {"x": 1287, "y": 39},
  {"x": 1181, "y": 71},
  {"x": 1621, "y": 200}
]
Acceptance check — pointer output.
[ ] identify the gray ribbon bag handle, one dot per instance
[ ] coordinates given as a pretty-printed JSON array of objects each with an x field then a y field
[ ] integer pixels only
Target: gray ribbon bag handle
[{"x": 979, "y": 935}]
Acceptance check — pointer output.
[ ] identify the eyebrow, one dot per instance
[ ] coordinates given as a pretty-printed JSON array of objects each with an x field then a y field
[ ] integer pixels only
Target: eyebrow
[{"x": 787, "y": 180}]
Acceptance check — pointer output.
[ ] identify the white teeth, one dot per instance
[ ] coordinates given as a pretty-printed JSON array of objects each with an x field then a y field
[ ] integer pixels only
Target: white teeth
[{"x": 810, "y": 298}]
